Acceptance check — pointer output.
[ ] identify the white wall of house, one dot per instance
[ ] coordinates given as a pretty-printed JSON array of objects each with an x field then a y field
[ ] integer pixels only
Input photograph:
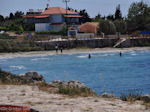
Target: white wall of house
[
  {"x": 57, "y": 18},
  {"x": 39, "y": 27}
]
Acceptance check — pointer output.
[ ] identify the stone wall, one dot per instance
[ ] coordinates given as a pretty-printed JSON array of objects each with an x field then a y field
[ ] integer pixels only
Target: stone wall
[
  {"x": 92, "y": 43},
  {"x": 95, "y": 43},
  {"x": 136, "y": 42}
]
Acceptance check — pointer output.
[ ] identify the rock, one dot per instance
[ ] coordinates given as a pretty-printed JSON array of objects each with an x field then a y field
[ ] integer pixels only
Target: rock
[
  {"x": 106, "y": 95},
  {"x": 146, "y": 98},
  {"x": 68, "y": 84},
  {"x": 33, "y": 76}
]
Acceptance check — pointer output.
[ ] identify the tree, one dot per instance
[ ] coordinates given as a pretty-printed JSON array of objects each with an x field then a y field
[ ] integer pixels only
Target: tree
[
  {"x": 19, "y": 14},
  {"x": 97, "y": 18},
  {"x": 11, "y": 16},
  {"x": 118, "y": 14},
  {"x": 1, "y": 18},
  {"x": 110, "y": 17},
  {"x": 106, "y": 27},
  {"x": 138, "y": 17},
  {"x": 121, "y": 26},
  {"x": 85, "y": 16}
]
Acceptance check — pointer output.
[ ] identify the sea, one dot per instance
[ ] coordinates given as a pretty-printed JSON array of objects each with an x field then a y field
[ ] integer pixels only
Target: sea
[{"x": 106, "y": 72}]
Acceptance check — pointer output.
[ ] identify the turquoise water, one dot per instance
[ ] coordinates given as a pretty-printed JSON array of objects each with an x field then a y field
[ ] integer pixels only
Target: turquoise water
[{"x": 104, "y": 72}]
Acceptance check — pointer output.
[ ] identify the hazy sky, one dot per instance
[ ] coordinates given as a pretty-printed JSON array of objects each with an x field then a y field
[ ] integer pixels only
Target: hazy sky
[{"x": 104, "y": 7}]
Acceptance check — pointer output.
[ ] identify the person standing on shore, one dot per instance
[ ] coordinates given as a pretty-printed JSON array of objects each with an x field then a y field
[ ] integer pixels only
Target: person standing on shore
[
  {"x": 61, "y": 49},
  {"x": 56, "y": 48}
]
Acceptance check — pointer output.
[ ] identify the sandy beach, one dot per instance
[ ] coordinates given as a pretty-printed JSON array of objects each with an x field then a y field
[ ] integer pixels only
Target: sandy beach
[{"x": 70, "y": 51}]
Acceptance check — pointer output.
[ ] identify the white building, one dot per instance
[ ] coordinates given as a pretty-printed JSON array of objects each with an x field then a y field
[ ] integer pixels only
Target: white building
[{"x": 53, "y": 19}]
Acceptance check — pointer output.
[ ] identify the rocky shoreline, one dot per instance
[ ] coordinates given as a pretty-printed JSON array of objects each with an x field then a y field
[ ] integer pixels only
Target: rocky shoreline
[{"x": 34, "y": 78}]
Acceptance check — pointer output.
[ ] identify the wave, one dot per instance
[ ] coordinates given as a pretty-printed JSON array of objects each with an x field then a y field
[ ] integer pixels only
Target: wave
[
  {"x": 37, "y": 59},
  {"x": 83, "y": 56},
  {"x": 134, "y": 54},
  {"x": 4, "y": 60},
  {"x": 18, "y": 67}
]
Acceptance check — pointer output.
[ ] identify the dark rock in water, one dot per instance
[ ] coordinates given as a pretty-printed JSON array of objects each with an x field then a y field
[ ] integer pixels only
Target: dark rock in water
[{"x": 33, "y": 76}]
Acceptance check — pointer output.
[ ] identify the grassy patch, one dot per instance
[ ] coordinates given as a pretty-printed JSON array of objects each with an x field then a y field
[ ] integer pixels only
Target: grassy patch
[
  {"x": 5, "y": 36},
  {"x": 76, "y": 91}
]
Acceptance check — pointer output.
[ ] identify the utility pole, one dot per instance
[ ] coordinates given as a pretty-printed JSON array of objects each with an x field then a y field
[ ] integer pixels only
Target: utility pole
[
  {"x": 47, "y": 5},
  {"x": 66, "y": 2}
]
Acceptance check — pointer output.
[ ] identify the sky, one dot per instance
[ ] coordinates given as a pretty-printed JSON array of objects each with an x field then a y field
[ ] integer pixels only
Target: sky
[{"x": 93, "y": 7}]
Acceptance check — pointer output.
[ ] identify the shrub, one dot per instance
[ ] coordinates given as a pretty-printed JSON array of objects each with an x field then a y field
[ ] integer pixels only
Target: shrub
[
  {"x": 76, "y": 91},
  {"x": 5, "y": 36}
]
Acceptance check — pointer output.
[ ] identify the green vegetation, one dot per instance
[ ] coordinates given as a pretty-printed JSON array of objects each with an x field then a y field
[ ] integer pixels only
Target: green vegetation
[
  {"x": 5, "y": 36},
  {"x": 17, "y": 46},
  {"x": 16, "y": 23},
  {"x": 63, "y": 32},
  {"x": 138, "y": 17},
  {"x": 76, "y": 91},
  {"x": 4, "y": 28},
  {"x": 121, "y": 26}
]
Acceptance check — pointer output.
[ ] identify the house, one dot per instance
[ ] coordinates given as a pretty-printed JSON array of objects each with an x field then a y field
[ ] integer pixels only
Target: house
[
  {"x": 53, "y": 19},
  {"x": 89, "y": 27}
]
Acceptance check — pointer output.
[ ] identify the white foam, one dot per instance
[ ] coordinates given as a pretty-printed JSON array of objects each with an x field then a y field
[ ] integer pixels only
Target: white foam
[
  {"x": 133, "y": 54},
  {"x": 83, "y": 56},
  {"x": 18, "y": 67},
  {"x": 37, "y": 59},
  {"x": 102, "y": 55}
]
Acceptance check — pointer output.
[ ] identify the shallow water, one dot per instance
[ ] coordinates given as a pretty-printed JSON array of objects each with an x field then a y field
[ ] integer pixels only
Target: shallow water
[{"x": 104, "y": 72}]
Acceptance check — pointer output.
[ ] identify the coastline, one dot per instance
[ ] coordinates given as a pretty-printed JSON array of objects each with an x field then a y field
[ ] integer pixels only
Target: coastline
[{"x": 71, "y": 51}]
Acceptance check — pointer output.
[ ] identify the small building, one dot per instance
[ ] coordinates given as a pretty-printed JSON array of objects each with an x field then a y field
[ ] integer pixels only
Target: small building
[
  {"x": 89, "y": 27},
  {"x": 53, "y": 19}
]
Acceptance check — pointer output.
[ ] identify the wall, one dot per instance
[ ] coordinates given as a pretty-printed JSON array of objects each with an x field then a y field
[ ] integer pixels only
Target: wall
[
  {"x": 39, "y": 27},
  {"x": 95, "y": 43},
  {"x": 92, "y": 43},
  {"x": 56, "y": 19},
  {"x": 139, "y": 42}
]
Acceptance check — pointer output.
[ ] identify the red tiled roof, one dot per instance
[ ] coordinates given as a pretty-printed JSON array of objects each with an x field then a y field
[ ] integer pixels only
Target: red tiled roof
[
  {"x": 35, "y": 16},
  {"x": 74, "y": 16},
  {"x": 89, "y": 27},
  {"x": 42, "y": 16},
  {"x": 57, "y": 10}
]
